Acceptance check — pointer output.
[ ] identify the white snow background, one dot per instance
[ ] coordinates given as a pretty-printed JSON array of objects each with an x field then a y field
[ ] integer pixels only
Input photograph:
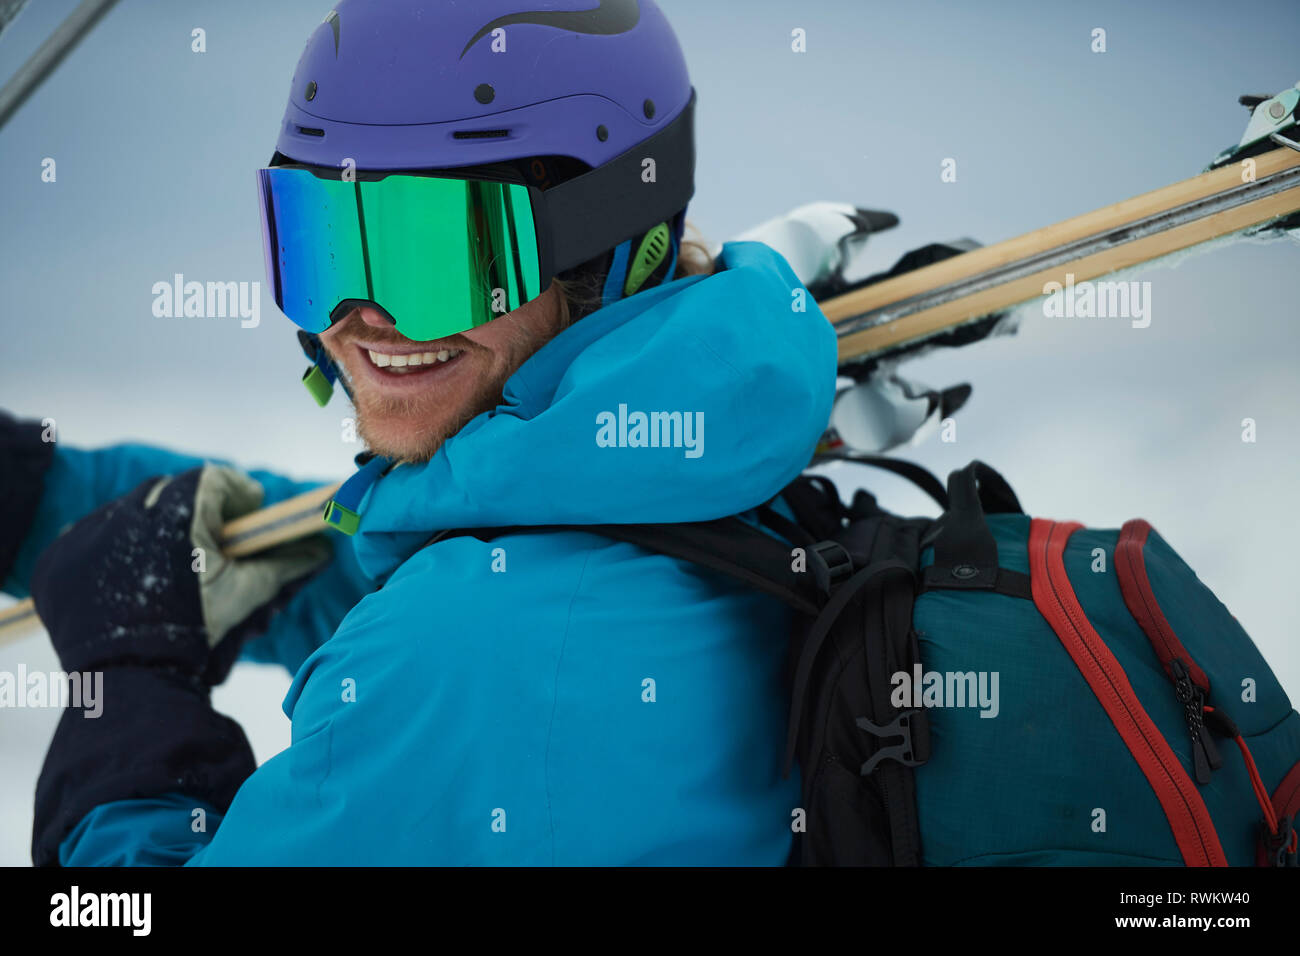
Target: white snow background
[{"x": 1089, "y": 419}]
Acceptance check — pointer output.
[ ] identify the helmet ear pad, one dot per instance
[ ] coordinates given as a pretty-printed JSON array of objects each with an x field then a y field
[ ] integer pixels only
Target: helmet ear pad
[{"x": 589, "y": 284}]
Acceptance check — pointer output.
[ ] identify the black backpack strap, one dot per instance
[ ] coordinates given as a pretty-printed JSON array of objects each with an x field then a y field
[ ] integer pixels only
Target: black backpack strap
[
  {"x": 903, "y": 734},
  {"x": 842, "y": 713},
  {"x": 790, "y": 530},
  {"x": 730, "y": 546},
  {"x": 965, "y": 552},
  {"x": 816, "y": 505},
  {"x": 817, "y": 634},
  {"x": 910, "y": 470}
]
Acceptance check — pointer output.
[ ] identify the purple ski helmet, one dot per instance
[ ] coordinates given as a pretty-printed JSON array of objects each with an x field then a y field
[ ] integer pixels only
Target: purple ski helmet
[{"x": 565, "y": 90}]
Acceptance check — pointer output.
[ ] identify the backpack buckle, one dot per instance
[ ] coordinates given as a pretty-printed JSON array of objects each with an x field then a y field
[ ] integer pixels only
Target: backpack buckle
[
  {"x": 837, "y": 561},
  {"x": 900, "y": 727}
]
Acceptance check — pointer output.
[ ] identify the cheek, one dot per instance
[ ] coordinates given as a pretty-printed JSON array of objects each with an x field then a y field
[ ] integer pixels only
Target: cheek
[
  {"x": 500, "y": 332},
  {"x": 534, "y": 321},
  {"x": 337, "y": 350},
  {"x": 511, "y": 338}
]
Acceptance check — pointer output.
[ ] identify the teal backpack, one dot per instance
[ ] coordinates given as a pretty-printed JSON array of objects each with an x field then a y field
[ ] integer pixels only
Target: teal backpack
[{"x": 987, "y": 688}]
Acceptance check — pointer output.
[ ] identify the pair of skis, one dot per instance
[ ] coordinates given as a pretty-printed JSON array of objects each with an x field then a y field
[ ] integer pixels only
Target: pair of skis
[
  {"x": 957, "y": 293},
  {"x": 947, "y": 294},
  {"x": 906, "y": 310}
]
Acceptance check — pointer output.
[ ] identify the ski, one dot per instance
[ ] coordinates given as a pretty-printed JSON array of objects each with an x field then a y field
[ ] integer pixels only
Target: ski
[
  {"x": 1254, "y": 186},
  {"x": 289, "y": 520}
]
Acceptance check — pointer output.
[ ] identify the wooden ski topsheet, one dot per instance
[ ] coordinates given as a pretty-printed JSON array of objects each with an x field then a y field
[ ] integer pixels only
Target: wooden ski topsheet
[{"x": 917, "y": 305}]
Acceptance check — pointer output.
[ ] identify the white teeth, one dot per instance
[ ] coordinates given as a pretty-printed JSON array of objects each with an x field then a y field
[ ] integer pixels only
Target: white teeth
[{"x": 386, "y": 360}]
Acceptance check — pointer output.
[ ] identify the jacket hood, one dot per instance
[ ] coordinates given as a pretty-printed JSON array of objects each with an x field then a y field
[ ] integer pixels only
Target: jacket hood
[{"x": 691, "y": 401}]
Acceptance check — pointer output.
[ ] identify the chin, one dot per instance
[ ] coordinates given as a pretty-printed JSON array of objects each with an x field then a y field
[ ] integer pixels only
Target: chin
[
  {"x": 401, "y": 437},
  {"x": 413, "y": 428}
]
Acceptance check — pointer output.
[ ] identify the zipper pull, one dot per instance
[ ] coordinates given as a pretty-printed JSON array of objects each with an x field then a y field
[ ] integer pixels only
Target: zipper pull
[{"x": 1205, "y": 755}]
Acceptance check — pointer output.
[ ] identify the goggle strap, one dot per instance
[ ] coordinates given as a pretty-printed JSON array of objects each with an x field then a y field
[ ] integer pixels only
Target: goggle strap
[{"x": 589, "y": 213}]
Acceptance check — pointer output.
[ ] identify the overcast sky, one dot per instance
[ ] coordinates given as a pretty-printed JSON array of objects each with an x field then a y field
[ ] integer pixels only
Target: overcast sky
[{"x": 1089, "y": 419}]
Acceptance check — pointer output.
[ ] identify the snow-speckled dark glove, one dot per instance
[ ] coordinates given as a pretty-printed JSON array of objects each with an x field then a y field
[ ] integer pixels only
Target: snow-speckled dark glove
[
  {"x": 140, "y": 592},
  {"x": 143, "y": 580}
]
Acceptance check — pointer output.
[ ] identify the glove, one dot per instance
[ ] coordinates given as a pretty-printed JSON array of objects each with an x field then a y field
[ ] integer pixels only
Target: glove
[
  {"x": 24, "y": 459},
  {"x": 885, "y": 411},
  {"x": 143, "y": 579},
  {"x": 140, "y": 591},
  {"x": 820, "y": 241}
]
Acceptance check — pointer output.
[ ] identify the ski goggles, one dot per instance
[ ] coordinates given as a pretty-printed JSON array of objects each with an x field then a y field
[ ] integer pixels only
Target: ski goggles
[
  {"x": 443, "y": 251},
  {"x": 435, "y": 255}
]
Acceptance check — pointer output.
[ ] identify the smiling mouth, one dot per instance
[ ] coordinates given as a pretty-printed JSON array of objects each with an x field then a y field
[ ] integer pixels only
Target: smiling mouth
[
  {"x": 404, "y": 363},
  {"x": 404, "y": 371}
]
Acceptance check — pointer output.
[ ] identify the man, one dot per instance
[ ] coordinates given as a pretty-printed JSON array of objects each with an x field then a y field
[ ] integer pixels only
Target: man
[{"x": 475, "y": 213}]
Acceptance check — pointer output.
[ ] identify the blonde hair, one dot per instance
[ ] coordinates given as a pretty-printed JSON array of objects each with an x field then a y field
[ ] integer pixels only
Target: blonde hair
[{"x": 693, "y": 259}]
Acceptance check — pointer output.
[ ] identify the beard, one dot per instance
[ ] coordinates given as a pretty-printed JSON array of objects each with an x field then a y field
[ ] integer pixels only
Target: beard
[
  {"x": 423, "y": 429},
  {"x": 412, "y": 426}
]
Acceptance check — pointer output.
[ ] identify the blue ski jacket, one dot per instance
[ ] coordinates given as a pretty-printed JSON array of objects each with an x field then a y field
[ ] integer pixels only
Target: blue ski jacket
[{"x": 539, "y": 699}]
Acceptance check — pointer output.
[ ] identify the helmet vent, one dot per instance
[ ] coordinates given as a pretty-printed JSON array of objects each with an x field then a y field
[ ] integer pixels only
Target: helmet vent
[
  {"x": 480, "y": 133},
  {"x": 308, "y": 131}
]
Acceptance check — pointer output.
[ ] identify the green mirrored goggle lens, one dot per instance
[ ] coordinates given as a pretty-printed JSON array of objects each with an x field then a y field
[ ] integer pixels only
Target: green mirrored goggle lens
[{"x": 439, "y": 256}]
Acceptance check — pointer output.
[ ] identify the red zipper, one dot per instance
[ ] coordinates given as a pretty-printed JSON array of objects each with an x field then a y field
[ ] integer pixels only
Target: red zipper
[
  {"x": 1188, "y": 817},
  {"x": 1130, "y": 566},
  {"x": 1191, "y": 684}
]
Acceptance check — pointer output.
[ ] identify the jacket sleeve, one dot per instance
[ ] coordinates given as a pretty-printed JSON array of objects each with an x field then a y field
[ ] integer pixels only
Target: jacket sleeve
[
  {"x": 161, "y": 831},
  {"x": 78, "y": 481}
]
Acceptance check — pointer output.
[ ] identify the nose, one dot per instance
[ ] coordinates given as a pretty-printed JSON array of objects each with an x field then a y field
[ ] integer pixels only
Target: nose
[{"x": 374, "y": 317}]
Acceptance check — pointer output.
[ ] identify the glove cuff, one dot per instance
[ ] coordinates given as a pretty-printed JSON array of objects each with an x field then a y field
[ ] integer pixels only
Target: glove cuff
[
  {"x": 24, "y": 460},
  {"x": 156, "y": 733},
  {"x": 177, "y": 649}
]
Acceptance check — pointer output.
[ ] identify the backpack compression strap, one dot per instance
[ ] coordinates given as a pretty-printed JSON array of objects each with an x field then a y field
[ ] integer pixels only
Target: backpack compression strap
[{"x": 727, "y": 545}]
